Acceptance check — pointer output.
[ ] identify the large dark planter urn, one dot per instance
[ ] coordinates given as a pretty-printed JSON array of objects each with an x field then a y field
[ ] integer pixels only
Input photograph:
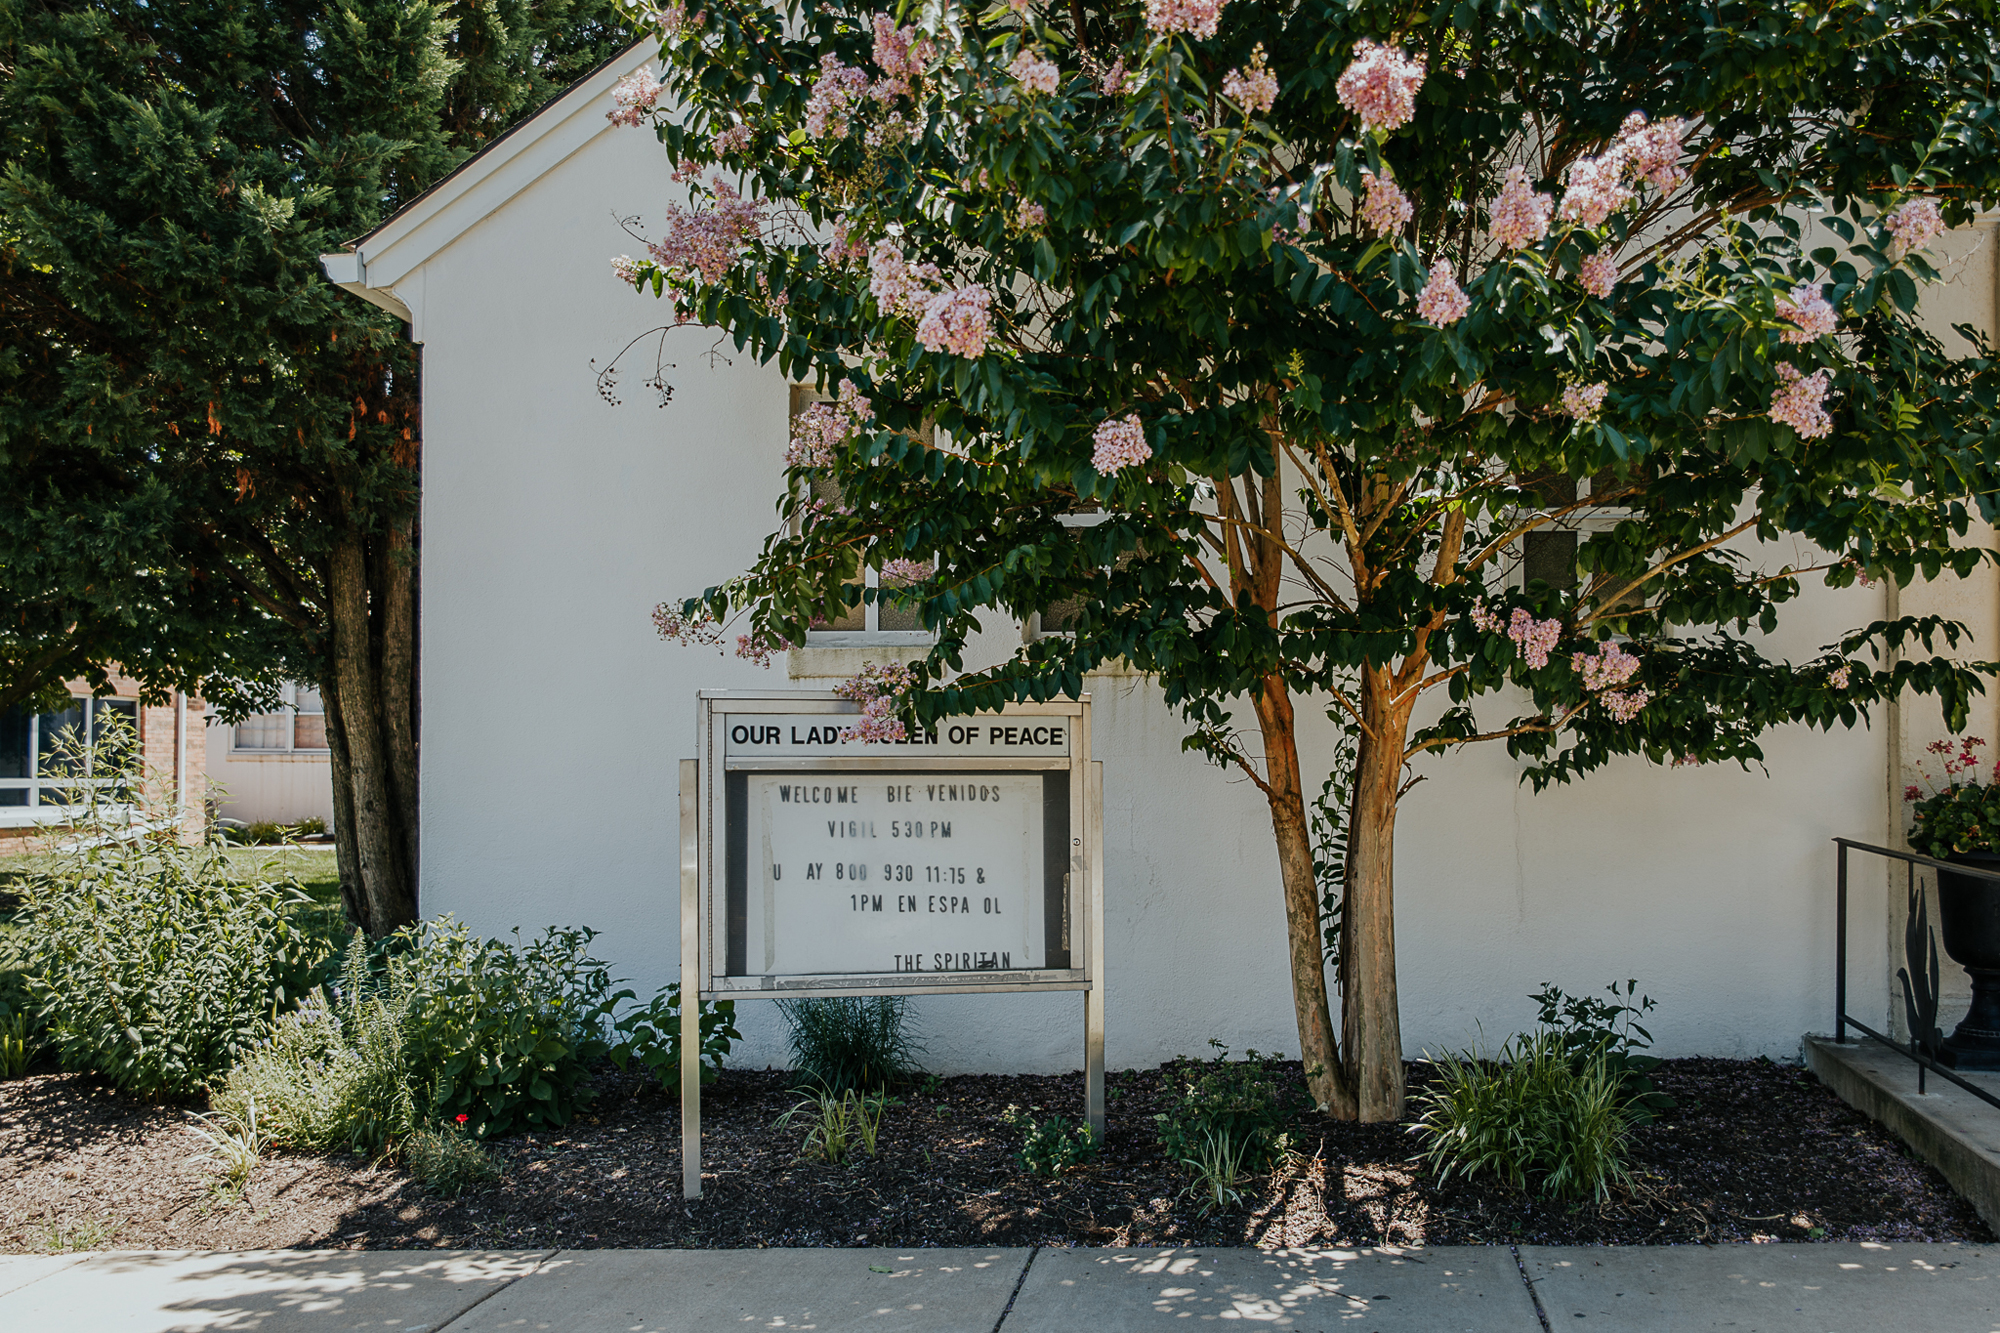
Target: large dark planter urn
[{"x": 1969, "y": 915}]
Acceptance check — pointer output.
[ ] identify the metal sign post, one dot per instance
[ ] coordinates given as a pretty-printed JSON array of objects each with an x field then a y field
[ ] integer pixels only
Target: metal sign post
[{"x": 966, "y": 859}]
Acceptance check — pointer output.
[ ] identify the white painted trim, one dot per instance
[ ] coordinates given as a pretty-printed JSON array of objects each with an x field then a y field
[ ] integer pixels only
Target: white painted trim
[{"x": 386, "y": 259}]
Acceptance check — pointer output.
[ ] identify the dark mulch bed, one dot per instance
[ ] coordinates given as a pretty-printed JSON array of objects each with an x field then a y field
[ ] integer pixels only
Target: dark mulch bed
[{"x": 1755, "y": 1151}]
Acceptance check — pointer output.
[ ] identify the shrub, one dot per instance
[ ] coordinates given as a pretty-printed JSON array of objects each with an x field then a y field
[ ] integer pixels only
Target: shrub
[
  {"x": 845, "y": 1043},
  {"x": 1534, "y": 1118},
  {"x": 1588, "y": 1028},
  {"x": 1227, "y": 1111},
  {"x": 651, "y": 1037},
  {"x": 334, "y": 1073},
  {"x": 153, "y": 966},
  {"x": 448, "y": 1159},
  {"x": 313, "y": 827},
  {"x": 505, "y": 1034},
  {"x": 1052, "y": 1146}
]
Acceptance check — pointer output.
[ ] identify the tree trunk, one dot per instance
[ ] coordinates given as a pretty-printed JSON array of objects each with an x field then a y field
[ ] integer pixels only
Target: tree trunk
[
  {"x": 1329, "y": 1083},
  {"x": 1372, "y": 1029},
  {"x": 379, "y": 882}
]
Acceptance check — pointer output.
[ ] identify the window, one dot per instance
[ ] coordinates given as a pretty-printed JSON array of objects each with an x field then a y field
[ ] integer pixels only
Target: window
[
  {"x": 299, "y": 726},
  {"x": 870, "y": 622},
  {"x": 1548, "y": 554},
  {"x": 1061, "y": 617},
  {"x": 36, "y": 761}
]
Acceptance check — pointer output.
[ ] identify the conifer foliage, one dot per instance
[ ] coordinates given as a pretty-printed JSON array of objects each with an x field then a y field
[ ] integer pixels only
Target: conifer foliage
[{"x": 211, "y": 454}]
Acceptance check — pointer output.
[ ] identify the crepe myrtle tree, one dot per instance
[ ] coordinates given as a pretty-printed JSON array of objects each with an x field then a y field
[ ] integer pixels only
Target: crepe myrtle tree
[{"x": 1324, "y": 312}]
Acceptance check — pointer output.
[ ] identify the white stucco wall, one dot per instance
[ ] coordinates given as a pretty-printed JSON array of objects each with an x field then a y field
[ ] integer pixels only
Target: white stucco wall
[{"x": 553, "y": 719}]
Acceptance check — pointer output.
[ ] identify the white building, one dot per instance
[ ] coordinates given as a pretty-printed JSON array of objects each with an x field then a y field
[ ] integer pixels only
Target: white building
[
  {"x": 273, "y": 768},
  {"x": 555, "y": 520}
]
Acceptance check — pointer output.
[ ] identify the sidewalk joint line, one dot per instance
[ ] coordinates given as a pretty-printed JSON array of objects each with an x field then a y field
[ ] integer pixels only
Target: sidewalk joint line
[
  {"x": 1014, "y": 1295},
  {"x": 496, "y": 1291},
  {"x": 1529, "y": 1283}
]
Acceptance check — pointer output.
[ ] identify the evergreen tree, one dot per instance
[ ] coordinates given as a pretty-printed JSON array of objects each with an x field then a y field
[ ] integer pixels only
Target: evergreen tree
[{"x": 212, "y": 454}]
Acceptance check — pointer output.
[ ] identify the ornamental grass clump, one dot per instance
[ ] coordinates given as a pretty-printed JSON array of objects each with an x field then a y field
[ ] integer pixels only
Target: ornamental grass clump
[
  {"x": 1534, "y": 1117},
  {"x": 861, "y": 1042}
]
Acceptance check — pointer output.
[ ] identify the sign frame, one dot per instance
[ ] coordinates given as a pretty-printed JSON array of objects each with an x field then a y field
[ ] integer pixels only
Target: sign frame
[{"x": 703, "y": 808}]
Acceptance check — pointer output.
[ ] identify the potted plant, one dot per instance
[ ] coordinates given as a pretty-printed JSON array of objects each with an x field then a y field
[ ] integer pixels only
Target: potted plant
[{"x": 1958, "y": 819}]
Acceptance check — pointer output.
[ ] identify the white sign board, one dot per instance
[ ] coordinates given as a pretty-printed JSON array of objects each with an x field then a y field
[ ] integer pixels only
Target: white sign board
[
  {"x": 910, "y": 872},
  {"x": 965, "y": 858}
]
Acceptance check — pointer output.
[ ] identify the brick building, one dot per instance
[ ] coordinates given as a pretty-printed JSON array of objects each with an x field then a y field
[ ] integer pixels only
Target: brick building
[{"x": 34, "y": 783}]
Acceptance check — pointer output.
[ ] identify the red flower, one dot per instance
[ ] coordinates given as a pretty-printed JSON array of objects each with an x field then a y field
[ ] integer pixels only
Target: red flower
[{"x": 463, "y": 1118}]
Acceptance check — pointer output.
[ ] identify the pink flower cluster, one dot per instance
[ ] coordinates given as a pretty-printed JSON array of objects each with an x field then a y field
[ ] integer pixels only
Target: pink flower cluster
[
  {"x": 1380, "y": 86},
  {"x": 1196, "y": 18},
  {"x": 1584, "y": 401},
  {"x": 628, "y": 269},
  {"x": 1484, "y": 619},
  {"x": 1596, "y": 190},
  {"x": 880, "y": 691},
  {"x": 755, "y": 648},
  {"x": 1809, "y": 313},
  {"x": 634, "y": 96},
  {"x": 1030, "y": 215},
  {"x": 1121, "y": 443},
  {"x": 1599, "y": 274},
  {"x": 1442, "y": 300},
  {"x": 1519, "y": 216},
  {"x": 848, "y": 246},
  {"x": 898, "y": 286},
  {"x": 697, "y": 630},
  {"x": 673, "y": 22},
  {"x": 1386, "y": 208},
  {"x": 958, "y": 321},
  {"x": 1653, "y": 151},
  {"x": 903, "y": 572},
  {"x": 1033, "y": 71},
  {"x": 1641, "y": 151},
  {"x": 834, "y": 93},
  {"x": 1254, "y": 86},
  {"x": 1610, "y": 668},
  {"x": 1800, "y": 402},
  {"x": 1840, "y": 676},
  {"x": 902, "y": 56},
  {"x": 1913, "y": 224},
  {"x": 822, "y": 428},
  {"x": 1113, "y": 82},
  {"x": 708, "y": 242},
  {"x": 1627, "y": 704},
  {"x": 735, "y": 139},
  {"x": 1535, "y": 638}
]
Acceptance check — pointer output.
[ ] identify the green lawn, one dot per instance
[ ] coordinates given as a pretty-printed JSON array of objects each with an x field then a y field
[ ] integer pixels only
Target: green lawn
[{"x": 312, "y": 867}]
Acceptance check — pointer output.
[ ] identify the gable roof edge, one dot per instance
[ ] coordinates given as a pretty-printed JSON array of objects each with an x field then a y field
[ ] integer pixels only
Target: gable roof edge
[{"x": 480, "y": 186}]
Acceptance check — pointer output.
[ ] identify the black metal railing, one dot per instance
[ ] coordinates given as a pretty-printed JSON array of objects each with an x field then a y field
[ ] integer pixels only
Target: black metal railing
[{"x": 1920, "y": 948}]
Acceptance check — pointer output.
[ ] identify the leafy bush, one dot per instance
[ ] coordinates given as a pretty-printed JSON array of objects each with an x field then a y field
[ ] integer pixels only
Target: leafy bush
[
  {"x": 154, "y": 967},
  {"x": 839, "y": 1122},
  {"x": 1051, "y": 1147},
  {"x": 448, "y": 1158},
  {"x": 651, "y": 1037},
  {"x": 1229, "y": 1111},
  {"x": 846, "y": 1043},
  {"x": 1535, "y": 1118},
  {"x": 20, "y": 1012},
  {"x": 335, "y": 1072},
  {"x": 1588, "y": 1028},
  {"x": 1959, "y": 813},
  {"x": 314, "y": 827},
  {"x": 506, "y": 1033}
]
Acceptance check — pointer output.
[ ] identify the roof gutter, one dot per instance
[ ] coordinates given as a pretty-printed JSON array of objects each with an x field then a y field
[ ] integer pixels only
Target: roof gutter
[{"x": 349, "y": 272}]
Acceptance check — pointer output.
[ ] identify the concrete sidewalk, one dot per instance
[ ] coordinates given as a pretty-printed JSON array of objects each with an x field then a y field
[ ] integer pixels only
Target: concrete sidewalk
[{"x": 1483, "y": 1289}]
